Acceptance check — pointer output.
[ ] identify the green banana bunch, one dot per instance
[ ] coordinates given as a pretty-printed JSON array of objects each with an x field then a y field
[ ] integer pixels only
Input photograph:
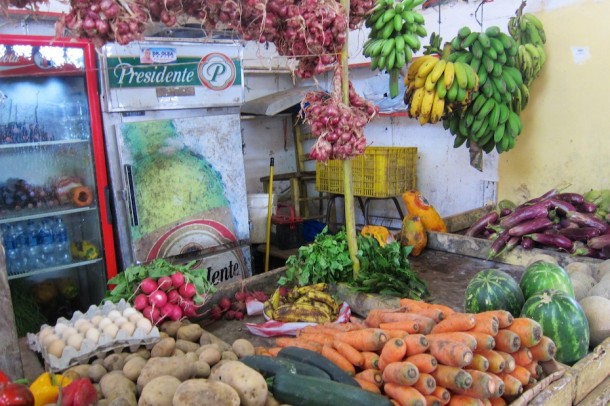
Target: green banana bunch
[
  {"x": 490, "y": 119},
  {"x": 435, "y": 46},
  {"x": 528, "y": 32},
  {"x": 395, "y": 34},
  {"x": 436, "y": 87}
]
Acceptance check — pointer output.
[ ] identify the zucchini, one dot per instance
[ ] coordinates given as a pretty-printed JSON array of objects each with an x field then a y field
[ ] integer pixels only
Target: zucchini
[
  {"x": 270, "y": 366},
  {"x": 318, "y": 361},
  {"x": 298, "y": 390}
]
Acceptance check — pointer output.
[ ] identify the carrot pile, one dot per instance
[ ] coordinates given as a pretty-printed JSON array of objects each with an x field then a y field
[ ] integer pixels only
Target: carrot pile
[{"x": 429, "y": 354}]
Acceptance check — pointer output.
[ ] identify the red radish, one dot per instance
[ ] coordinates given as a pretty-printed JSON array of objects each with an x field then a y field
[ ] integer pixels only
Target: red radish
[
  {"x": 239, "y": 315},
  {"x": 216, "y": 312},
  {"x": 238, "y": 306},
  {"x": 148, "y": 285},
  {"x": 225, "y": 303},
  {"x": 171, "y": 311},
  {"x": 284, "y": 291},
  {"x": 157, "y": 298},
  {"x": 187, "y": 290},
  {"x": 152, "y": 314},
  {"x": 260, "y": 296},
  {"x": 177, "y": 279},
  {"x": 241, "y": 296},
  {"x": 230, "y": 315},
  {"x": 173, "y": 296},
  {"x": 164, "y": 283},
  {"x": 140, "y": 302}
]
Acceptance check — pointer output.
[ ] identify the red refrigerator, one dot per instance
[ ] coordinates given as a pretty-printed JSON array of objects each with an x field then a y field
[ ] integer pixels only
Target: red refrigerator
[{"x": 54, "y": 217}]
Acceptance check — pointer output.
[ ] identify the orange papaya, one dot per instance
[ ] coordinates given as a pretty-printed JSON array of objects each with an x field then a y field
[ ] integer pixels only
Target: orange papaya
[
  {"x": 417, "y": 205},
  {"x": 380, "y": 233},
  {"x": 413, "y": 234}
]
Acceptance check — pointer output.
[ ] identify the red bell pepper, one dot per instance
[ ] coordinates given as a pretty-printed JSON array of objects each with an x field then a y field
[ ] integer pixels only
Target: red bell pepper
[
  {"x": 15, "y": 394},
  {"x": 79, "y": 392},
  {"x": 4, "y": 377}
]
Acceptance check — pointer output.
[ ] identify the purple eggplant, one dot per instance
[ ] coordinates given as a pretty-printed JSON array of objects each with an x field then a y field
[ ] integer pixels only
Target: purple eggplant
[
  {"x": 499, "y": 243},
  {"x": 555, "y": 241},
  {"x": 506, "y": 211},
  {"x": 565, "y": 223},
  {"x": 583, "y": 234},
  {"x": 587, "y": 207},
  {"x": 561, "y": 205},
  {"x": 527, "y": 243},
  {"x": 481, "y": 224},
  {"x": 573, "y": 198},
  {"x": 550, "y": 193},
  {"x": 587, "y": 220},
  {"x": 525, "y": 213},
  {"x": 599, "y": 242},
  {"x": 530, "y": 226}
]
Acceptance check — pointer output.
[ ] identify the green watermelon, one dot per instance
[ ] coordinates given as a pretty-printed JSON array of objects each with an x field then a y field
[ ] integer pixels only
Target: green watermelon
[
  {"x": 563, "y": 320},
  {"x": 493, "y": 289},
  {"x": 543, "y": 275}
]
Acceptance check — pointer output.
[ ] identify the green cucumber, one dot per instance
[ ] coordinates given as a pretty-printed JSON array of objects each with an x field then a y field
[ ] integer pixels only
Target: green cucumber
[
  {"x": 299, "y": 390},
  {"x": 271, "y": 366},
  {"x": 318, "y": 361}
]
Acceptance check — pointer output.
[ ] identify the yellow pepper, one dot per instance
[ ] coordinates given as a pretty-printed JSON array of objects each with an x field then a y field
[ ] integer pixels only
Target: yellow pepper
[{"x": 47, "y": 386}]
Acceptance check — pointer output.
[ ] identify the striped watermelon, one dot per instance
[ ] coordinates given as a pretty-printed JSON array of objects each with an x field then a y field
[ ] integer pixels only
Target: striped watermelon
[
  {"x": 563, "y": 320},
  {"x": 493, "y": 289},
  {"x": 543, "y": 275}
]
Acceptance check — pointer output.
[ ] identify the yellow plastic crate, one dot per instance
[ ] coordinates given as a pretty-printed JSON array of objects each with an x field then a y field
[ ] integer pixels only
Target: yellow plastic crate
[{"x": 380, "y": 172}]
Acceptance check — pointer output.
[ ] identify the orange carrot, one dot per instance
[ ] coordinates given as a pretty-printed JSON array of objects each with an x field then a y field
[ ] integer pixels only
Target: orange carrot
[
  {"x": 273, "y": 351},
  {"x": 458, "y": 336},
  {"x": 371, "y": 360},
  {"x": 344, "y": 326},
  {"x": 349, "y": 353},
  {"x": 368, "y": 339},
  {"x": 509, "y": 361},
  {"x": 410, "y": 326},
  {"x": 435, "y": 314},
  {"x": 505, "y": 318},
  {"x": 394, "y": 350},
  {"x": 371, "y": 375},
  {"x": 528, "y": 330},
  {"x": 378, "y": 316},
  {"x": 545, "y": 350},
  {"x": 452, "y": 378},
  {"x": 535, "y": 369},
  {"x": 319, "y": 329},
  {"x": 522, "y": 374},
  {"x": 484, "y": 341},
  {"x": 261, "y": 351},
  {"x": 298, "y": 342},
  {"x": 319, "y": 338},
  {"x": 499, "y": 385},
  {"x": 414, "y": 304},
  {"x": 416, "y": 344},
  {"x": 445, "y": 309},
  {"x": 404, "y": 395},
  {"x": 479, "y": 362},
  {"x": 432, "y": 400},
  {"x": 425, "y": 362},
  {"x": 357, "y": 321},
  {"x": 401, "y": 373},
  {"x": 463, "y": 400},
  {"x": 338, "y": 359},
  {"x": 486, "y": 323},
  {"x": 425, "y": 383},
  {"x": 483, "y": 386},
  {"x": 395, "y": 333},
  {"x": 366, "y": 385},
  {"x": 452, "y": 353},
  {"x": 442, "y": 393},
  {"x": 507, "y": 341},
  {"x": 498, "y": 402},
  {"x": 512, "y": 386},
  {"x": 496, "y": 361},
  {"x": 455, "y": 322},
  {"x": 522, "y": 356}
]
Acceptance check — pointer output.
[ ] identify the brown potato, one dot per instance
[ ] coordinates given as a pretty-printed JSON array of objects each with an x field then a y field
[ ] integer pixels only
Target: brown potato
[
  {"x": 249, "y": 384},
  {"x": 186, "y": 346},
  {"x": 196, "y": 392},
  {"x": 191, "y": 332},
  {"x": 159, "y": 391},
  {"x": 133, "y": 368},
  {"x": 210, "y": 355},
  {"x": 164, "y": 348},
  {"x": 242, "y": 347},
  {"x": 157, "y": 366}
]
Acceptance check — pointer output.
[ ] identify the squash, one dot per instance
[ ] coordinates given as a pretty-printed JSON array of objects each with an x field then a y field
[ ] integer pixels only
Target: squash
[
  {"x": 417, "y": 205},
  {"x": 380, "y": 233},
  {"x": 413, "y": 233}
]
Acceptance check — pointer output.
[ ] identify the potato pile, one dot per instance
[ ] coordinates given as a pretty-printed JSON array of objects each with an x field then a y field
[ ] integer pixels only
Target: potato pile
[{"x": 187, "y": 366}]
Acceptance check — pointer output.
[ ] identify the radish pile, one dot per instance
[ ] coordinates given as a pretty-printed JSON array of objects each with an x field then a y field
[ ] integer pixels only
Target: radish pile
[
  {"x": 339, "y": 127},
  {"x": 235, "y": 309}
]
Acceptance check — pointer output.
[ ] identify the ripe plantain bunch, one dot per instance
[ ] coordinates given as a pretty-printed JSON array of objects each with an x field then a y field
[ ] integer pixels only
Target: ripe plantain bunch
[
  {"x": 310, "y": 303},
  {"x": 528, "y": 32},
  {"x": 394, "y": 36},
  {"x": 489, "y": 120},
  {"x": 436, "y": 87}
]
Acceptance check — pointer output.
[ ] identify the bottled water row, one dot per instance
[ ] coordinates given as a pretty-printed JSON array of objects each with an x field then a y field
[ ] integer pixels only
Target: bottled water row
[{"x": 35, "y": 244}]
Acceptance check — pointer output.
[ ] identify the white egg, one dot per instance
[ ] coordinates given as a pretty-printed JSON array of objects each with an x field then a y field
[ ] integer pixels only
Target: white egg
[
  {"x": 56, "y": 348},
  {"x": 83, "y": 327},
  {"x": 45, "y": 331},
  {"x": 95, "y": 320},
  {"x": 110, "y": 330},
  {"x": 78, "y": 322},
  {"x": 144, "y": 324},
  {"x": 68, "y": 332},
  {"x": 60, "y": 327},
  {"x": 48, "y": 339},
  {"x": 128, "y": 327},
  {"x": 119, "y": 320},
  {"x": 93, "y": 335},
  {"x": 113, "y": 314},
  {"x": 135, "y": 317},
  {"x": 129, "y": 311},
  {"x": 75, "y": 341},
  {"x": 103, "y": 323}
]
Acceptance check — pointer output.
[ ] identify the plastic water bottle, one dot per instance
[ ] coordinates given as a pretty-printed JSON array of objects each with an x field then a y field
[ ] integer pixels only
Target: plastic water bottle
[
  {"x": 46, "y": 242},
  {"x": 62, "y": 245},
  {"x": 13, "y": 265},
  {"x": 33, "y": 251},
  {"x": 21, "y": 245}
]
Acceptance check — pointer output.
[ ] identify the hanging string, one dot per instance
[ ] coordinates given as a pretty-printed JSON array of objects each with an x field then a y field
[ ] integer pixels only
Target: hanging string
[
  {"x": 439, "y": 19},
  {"x": 480, "y": 6}
]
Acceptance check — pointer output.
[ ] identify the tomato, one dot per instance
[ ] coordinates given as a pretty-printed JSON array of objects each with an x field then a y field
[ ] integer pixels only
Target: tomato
[{"x": 15, "y": 394}]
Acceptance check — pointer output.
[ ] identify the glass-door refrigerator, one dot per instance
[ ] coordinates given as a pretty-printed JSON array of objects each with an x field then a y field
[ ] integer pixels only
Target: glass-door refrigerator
[
  {"x": 171, "y": 113},
  {"x": 56, "y": 226}
]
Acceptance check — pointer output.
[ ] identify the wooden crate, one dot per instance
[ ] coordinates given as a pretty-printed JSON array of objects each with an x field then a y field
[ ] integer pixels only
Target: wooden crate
[{"x": 591, "y": 371}]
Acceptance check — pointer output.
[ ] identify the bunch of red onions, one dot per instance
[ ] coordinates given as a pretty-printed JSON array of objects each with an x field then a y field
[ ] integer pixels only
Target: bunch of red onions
[
  {"x": 358, "y": 10},
  {"x": 339, "y": 127}
]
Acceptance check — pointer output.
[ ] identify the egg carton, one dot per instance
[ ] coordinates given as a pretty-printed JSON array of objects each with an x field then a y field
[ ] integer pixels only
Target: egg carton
[{"x": 111, "y": 327}]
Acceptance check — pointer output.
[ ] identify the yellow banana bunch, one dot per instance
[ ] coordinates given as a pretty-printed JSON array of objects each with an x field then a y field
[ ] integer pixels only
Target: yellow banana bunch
[
  {"x": 311, "y": 303},
  {"x": 437, "y": 86}
]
